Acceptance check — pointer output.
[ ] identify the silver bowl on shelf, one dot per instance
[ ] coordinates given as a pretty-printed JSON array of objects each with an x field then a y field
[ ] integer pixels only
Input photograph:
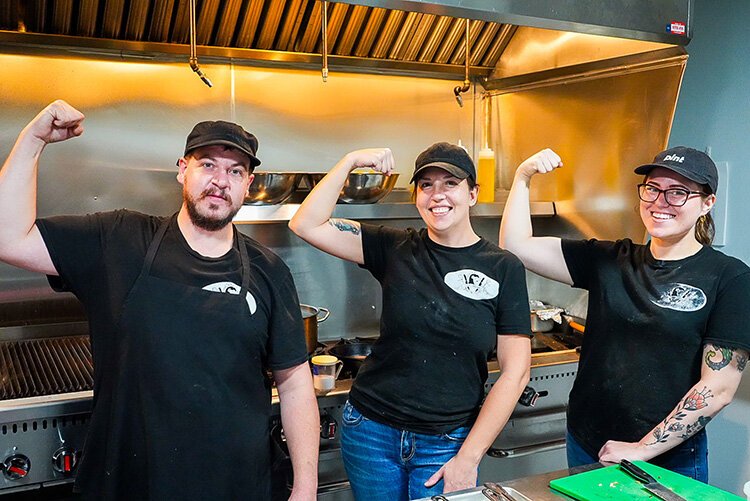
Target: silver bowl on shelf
[
  {"x": 362, "y": 187},
  {"x": 270, "y": 188}
]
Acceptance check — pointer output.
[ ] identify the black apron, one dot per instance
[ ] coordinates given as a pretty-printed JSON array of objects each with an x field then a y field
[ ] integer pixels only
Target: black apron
[{"x": 185, "y": 415}]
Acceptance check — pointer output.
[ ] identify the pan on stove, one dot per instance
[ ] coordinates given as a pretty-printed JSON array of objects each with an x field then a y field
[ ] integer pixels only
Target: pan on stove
[{"x": 353, "y": 353}]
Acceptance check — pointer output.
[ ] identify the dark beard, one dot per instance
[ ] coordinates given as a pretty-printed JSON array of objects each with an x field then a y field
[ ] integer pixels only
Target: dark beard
[{"x": 205, "y": 222}]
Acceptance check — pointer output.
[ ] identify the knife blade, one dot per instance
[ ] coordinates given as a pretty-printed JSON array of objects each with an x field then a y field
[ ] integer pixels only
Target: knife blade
[{"x": 649, "y": 482}]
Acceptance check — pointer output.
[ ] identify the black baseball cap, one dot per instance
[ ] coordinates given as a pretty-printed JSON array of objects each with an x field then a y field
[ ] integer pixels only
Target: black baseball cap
[
  {"x": 688, "y": 162},
  {"x": 210, "y": 133},
  {"x": 449, "y": 157}
]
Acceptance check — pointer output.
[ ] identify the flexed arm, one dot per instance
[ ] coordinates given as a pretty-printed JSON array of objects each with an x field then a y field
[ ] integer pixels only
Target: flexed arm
[
  {"x": 542, "y": 255},
  {"x": 313, "y": 223},
  {"x": 20, "y": 242},
  {"x": 721, "y": 373}
]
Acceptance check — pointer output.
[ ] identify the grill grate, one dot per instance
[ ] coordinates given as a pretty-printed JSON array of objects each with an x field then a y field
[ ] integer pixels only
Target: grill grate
[{"x": 35, "y": 367}]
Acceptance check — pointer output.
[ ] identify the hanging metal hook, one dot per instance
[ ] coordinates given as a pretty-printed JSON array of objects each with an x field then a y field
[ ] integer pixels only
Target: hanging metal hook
[
  {"x": 193, "y": 61},
  {"x": 458, "y": 89},
  {"x": 324, "y": 28}
]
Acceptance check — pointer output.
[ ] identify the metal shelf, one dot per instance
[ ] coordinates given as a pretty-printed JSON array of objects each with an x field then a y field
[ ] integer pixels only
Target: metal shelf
[{"x": 250, "y": 214}]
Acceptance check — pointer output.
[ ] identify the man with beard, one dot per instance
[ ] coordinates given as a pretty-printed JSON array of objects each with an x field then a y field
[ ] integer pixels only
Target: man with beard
[{"x": 186, "y": 315}]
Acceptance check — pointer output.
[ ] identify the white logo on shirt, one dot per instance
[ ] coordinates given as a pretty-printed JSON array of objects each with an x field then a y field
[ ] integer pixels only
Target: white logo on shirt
[
  {"x": 681, "y": 297},
  {"x": 232, "y": 288},
  {"x": 472, "y": 284}
]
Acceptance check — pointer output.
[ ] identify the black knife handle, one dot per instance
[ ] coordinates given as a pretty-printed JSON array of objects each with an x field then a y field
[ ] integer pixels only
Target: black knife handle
[{"x": 636, "y": 472}]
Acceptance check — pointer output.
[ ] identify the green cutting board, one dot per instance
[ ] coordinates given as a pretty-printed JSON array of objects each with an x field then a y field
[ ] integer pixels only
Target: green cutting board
[{"x": 613, "y": 483}]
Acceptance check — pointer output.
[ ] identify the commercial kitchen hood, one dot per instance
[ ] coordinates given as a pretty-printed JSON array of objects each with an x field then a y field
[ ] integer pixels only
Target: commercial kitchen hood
[{"x": 409, "y": 37}]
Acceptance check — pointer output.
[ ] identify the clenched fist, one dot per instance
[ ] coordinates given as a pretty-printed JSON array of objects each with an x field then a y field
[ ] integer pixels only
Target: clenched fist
[{"x": 59, "y": 121}]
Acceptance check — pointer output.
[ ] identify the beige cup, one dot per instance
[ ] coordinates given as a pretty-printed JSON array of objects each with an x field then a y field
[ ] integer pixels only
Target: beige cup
[{"x": 325, "y": 369}]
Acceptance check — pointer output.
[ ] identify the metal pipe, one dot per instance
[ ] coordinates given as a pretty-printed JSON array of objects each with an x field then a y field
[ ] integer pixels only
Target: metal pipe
[
  {"x": 193, "y": 60},
  {"x": 458, "y": 89},
  {"x": 324, "y": 28}
]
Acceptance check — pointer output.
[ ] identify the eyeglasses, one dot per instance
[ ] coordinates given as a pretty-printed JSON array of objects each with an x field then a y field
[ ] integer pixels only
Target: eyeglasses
[{"x": 676, "y": 197}]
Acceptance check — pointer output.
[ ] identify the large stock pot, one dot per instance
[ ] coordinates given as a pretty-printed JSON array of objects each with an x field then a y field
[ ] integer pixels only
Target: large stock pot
[{"x": 311, "y": 316}]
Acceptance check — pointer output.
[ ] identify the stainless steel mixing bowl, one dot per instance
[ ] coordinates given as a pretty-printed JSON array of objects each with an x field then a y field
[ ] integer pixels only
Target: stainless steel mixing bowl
[
  {"x": 270, "y": 188},
  {"x": 362, "y": 187}
]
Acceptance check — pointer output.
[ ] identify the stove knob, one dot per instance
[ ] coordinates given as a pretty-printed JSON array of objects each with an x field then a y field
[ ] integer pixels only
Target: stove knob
[
  {"x": 328, "y": 426},
  {"x": 65, "y": 460},
  {"x": 16, "y": 467}
]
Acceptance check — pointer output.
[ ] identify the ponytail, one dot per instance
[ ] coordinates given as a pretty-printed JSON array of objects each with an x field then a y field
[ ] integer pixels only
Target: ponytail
[{"x": 705, "y": 229}]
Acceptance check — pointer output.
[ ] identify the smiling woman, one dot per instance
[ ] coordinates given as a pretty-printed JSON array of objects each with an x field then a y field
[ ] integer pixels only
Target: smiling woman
[
  {"x": 449, "y": 299},
  {"x": 662, "y": 354}
]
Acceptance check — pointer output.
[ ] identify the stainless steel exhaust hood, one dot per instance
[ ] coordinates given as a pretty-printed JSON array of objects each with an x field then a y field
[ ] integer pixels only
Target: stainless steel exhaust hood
[{"x": 376, "y": 36}]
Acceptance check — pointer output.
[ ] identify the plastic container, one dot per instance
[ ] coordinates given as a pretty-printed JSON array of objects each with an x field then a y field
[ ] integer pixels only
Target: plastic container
[{"x": 486, "y": 175}]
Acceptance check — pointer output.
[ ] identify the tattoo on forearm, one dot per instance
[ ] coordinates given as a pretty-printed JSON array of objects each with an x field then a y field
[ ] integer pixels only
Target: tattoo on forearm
[
  {"x": 741, "y": 362},
  {"x": 696, "y": 400},
  {"x": 344, "y": 226},
  {"x": 694, "y": 428},
  {"x": 726, "y": 357}
]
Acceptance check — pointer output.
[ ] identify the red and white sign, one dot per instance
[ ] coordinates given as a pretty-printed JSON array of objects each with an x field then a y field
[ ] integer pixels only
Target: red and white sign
[{"x": 676, "y": 28}]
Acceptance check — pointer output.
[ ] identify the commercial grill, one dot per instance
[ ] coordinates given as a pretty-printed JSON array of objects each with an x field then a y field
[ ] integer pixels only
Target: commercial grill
[{"x": 46, "y": 380}]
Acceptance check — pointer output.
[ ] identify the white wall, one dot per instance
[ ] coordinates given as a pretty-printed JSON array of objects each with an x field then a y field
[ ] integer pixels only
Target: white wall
[{"x": 714, "y": 111}]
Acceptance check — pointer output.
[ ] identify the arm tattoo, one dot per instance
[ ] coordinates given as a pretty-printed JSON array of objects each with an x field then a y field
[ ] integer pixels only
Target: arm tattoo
[
  {"x": 342, "y": 225},
  {"x": 726, "y": 357},
  {"x": 696, "y": 400},
  {"x": 741, "y": 362}
]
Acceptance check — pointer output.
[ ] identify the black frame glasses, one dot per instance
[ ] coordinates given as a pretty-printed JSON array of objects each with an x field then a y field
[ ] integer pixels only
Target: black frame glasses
[{"x": 676, "y": 197}]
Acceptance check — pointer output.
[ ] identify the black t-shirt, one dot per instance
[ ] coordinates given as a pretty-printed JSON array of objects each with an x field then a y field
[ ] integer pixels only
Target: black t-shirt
[
  {"x": 647, "y": 323},
  {"x": 443, "y": 309},
  {"x": 99, "y": 258}
]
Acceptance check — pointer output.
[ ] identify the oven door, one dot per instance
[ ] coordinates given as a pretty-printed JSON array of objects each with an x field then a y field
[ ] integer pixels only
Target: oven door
[{"x": 529, "y": 445}]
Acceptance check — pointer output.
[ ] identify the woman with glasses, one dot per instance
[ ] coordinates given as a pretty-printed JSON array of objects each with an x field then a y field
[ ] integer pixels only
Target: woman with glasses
[{"x": 665, "y": 342}]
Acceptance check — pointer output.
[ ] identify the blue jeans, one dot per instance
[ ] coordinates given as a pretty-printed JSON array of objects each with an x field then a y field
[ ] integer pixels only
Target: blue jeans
[
  {"x": 386, "y": 463},
  {"x": 690, "y": 458}
]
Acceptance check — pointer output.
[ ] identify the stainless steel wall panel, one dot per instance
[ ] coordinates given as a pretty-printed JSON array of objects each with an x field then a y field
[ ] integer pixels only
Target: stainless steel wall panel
[
  {"x": 139, "y": 113},
  {"x": 532, "y": 50},
  {"x": 227, "y": 23},
  {"x": 603, "y": 128}
]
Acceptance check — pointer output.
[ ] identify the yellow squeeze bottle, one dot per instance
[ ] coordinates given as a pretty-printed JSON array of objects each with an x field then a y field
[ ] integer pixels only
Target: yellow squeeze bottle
[{"x": 486, "y": 175}]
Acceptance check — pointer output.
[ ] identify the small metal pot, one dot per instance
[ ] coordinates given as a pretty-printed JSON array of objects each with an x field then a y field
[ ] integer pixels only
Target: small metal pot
[{"x": 311, "y": 317}]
